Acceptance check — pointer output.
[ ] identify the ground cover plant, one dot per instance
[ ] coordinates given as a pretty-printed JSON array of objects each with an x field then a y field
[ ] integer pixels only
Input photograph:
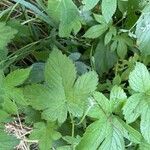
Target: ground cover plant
[{"x": 74, "y": 75}]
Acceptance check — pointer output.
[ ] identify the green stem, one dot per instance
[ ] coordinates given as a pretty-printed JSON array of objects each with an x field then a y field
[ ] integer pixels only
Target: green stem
[{"x": 72, "y": 132}]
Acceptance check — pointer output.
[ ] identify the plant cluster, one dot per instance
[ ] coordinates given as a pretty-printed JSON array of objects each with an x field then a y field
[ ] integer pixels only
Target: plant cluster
[{"x": 76, "y": 73}]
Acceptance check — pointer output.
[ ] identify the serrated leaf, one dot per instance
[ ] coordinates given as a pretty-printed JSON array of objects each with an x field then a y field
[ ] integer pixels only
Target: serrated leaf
[
  {"x": 129, "y": 132},
  {"x": 138, "y": 105},
  {"x": 103, "y": 102},
  {"x": 108, "y": 9},
  {"x": 82, "y": 89},
  {"x": 143, "y": 33},
  {"x": 17, "y": 77},
  {"x": 37, "y": 101},
  {"x": 95, "y": 31},
  {"x": 102, "y": 135},
  {"x": 108, "y": 131},
  {"x": 9, "y": 106},
  {"x": 45, "y": 134},
  {"x": 6, "y": 34},
  {"x": 16, "y": 94},
  {"x": 56, "y": 75},
  {"x": 94, "y": 135},
  {"x": 73, "y": 94},
  {"x": 3, "y": 115},
  {"x": 133, "y": 107},
  {"x": 10, "y": 94},
  {"x": 67, "y": 13},
  {"x": 86, "y": 84},
  {"x": 139, "y": 78},
  {"x": 7, "y": 142},
  {"x": 11, "y": 81},
  {"x": 57, "y": 110},
  {"x": 117, "y": 97},
  {"x": 89, "y": 4}
]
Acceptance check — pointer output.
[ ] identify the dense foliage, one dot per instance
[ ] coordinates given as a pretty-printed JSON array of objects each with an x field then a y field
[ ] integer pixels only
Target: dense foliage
[{"x": 74, "y": 74}]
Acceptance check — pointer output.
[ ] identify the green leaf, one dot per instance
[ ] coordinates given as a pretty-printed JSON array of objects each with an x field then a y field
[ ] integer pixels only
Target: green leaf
[
  {"x": 89, "y": 4},
  {"x": 138, "y": 105},
  {"x": 73, "y": 93},
  {"x": 103, "y": 103},
  {"x": 56, "y": 107},
  {"x": 7, "y": 142},
  {"x": 117, "y": 97},
  {"x": 129, "y": 132},
  {"x": 31, "y": 115},
  {"x": 3, "y": 115},
  {"x": 94, "y": 135},
  {"x": 6, "y": 34},
  {"x": 122, "y": 6},
  {"x": 144, "y": 145},
  {"x": 65, "y": 148},
  {"x": 45, "y": 134},
  {"x": 108, "y": 37},
  {"x": 145, "y": 120},
  {"x": 133, "y": 107},
  {"x": 16, "y": 94},
  {"x": 37, "y": 101},
  {"x": 139, "y": 78},
  {"x": 86, "y": 84},
  {"x": 67, "y": 13},
  {"x": 17, "y": 77},
  {"x": 121, "y": 49},
  {"x": 100, "y": 19},
  {"x": 82, "y": 89},
  {"x": 95, "y": 31},
  {"x": 10, "y": 94},
  {"x": 56, "y": 75},
  {"x": 143, "y": 33},
  {"x": 108, "y": 9},
  {"x": 102, "y": 55},
  {"x": 102, "y": 135},
  {"x": 121, "y": 43},
  {"x": 40, "y": 14},
  {"x": 9, "y": 106},
  {"x": 11, "y": 81},
  {"x": 108, "y": 131}
]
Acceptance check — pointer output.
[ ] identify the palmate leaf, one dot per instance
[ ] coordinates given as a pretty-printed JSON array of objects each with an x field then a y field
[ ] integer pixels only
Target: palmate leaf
[
  {"x": 65, "y": 12},
  {"x": 109, "y": 131},
  {"x": 63, "y": 92},
  {"x": 45, "y": 134},
  {"x": 72, "y": 96},
  {"x": 138, "y": 104},
  {"x": 9, "y": 92}
]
